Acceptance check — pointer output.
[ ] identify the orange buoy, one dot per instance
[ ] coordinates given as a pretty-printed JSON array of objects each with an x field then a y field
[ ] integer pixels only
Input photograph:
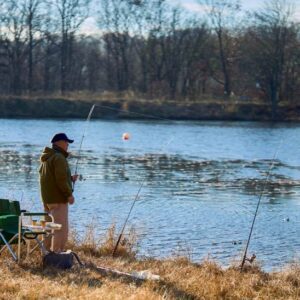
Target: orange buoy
[{"x": 126, "y": 136}]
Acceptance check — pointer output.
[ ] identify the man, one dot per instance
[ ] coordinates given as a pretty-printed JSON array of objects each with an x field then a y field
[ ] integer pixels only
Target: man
[{"x": 56, "y": 187}]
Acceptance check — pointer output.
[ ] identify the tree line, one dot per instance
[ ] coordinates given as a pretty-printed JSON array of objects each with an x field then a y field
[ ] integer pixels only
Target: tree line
[{"x": 151, "y": 48}]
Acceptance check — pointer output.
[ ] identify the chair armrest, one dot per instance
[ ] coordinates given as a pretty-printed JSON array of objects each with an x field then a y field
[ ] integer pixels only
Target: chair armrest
[
  {"x": 37, "y": 214},
  {"x": 31, "y": 214}
]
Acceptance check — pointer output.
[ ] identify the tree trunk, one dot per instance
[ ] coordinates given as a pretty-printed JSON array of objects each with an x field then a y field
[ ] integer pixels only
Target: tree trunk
[
  {"x": 63, "y": 65},
  {"x": 227, "y": 79},
  {"x": 30, "y": 54}
]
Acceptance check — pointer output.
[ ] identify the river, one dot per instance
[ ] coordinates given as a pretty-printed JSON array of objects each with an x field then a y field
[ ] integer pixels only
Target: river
[{"x": 201, "y": 183}]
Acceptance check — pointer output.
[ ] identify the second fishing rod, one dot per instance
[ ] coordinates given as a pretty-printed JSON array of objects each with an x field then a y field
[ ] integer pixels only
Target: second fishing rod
[
  {"x": 142, "y": 182},
  {"x": 245, "y": 258},
  {"x": 133, "y": 203}
]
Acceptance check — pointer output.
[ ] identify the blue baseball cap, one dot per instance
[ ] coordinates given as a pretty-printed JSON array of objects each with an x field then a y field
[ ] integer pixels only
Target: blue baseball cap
[{"x": 61, "y": 137}]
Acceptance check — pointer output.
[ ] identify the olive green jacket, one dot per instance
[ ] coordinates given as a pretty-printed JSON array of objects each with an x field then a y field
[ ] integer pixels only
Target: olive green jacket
[{"x": 55, "y": 176}]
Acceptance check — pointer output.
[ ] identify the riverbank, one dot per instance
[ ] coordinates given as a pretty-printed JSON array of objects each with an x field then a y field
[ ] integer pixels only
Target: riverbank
[
  {"x": 179, "y": 278},
  {"x": 131, "y": 108}
]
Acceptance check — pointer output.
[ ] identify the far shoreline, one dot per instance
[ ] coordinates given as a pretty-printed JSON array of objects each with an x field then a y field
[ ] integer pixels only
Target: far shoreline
[{"x": 42, "y": 107}]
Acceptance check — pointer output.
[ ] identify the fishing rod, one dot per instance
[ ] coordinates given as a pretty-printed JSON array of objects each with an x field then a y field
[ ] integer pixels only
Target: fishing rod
[
  {"x": 133, "y": 203},
  {"x": 114, "y": 109},
  {"x": 256, "y": 211},
  {"x": 127, "y": 218},
  {"x": 142, "y": 183},
  {"x": 81, "y": 142},
  {"x": 111, "y": 108}
]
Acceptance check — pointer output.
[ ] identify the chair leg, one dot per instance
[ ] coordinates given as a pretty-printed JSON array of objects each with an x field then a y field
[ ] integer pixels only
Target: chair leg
[
  {"x": 7, "y": 245},
  {"x": 28, "y": 249},
  {"x": 41, "y": 245},
  {"x": 52, "y": 233},
  {"x": 38, "y": 244},
  {"x": 19, "y": 238}
]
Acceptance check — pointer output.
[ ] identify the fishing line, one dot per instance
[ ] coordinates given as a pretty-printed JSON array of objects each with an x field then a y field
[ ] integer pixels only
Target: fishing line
[
  {"x": 114, "y": 109},
  {"x": 143, "y": 181},
  {"x": 134, "y": 113},
  {"x": 257, "y": 207},
  {"x": 82, "y": 138},
  {"x": 133, "y": 203}
]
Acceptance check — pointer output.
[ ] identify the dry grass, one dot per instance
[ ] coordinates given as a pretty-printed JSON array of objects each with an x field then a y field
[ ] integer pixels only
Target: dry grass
[
  {"x": 130, "y": 95},
  {"x": 132, "y": 105},
  {"x": 94, "y": 245},
  {"x": 180, "y": 278}
]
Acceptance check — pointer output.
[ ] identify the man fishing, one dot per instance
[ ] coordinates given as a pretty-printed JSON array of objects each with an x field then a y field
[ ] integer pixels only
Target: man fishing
[{"x": 56, "y": 187}]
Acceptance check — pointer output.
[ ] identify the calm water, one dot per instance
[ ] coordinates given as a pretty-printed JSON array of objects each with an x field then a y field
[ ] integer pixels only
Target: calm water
[{"x": 201, "y": 183}]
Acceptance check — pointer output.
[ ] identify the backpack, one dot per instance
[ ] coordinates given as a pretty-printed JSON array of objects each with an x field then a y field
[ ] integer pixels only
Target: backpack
[{"x": 62, "y": 260}]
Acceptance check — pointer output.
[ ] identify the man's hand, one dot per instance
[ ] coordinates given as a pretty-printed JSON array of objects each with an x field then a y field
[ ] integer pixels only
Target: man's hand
[
  {"x": 71, "y": 200},
  {"x": 74, "y": 177}
]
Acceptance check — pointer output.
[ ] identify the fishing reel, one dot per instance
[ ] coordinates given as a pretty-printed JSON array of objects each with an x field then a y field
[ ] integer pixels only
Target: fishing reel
[{"x": 251, "y": 259}]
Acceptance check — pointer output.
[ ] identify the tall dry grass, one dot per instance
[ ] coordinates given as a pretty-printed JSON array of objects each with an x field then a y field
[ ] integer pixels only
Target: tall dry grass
[
  {"x": 93, "y": 244},
  {"x": 180, "y": 278}
]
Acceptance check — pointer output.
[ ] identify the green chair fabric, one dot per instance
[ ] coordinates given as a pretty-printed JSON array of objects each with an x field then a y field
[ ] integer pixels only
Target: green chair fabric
[
  {"x": 9, "y": 225},
  {"x": 4, "y": 207},
  {"x": 9, "y": 219},
  {"x": 14, "y": 207}
]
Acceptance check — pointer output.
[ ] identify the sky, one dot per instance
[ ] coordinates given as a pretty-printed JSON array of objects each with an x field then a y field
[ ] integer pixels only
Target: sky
[
  {"x": 193, "y": 5},
  {"x": 90, "y": 25},
  {"x": 247, "y": 5}
]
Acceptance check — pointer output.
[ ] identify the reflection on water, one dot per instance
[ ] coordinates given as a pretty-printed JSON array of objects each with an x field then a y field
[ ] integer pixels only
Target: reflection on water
[
  {"x": 198, "y": 198},
  {"x": 167, "y": 171}
]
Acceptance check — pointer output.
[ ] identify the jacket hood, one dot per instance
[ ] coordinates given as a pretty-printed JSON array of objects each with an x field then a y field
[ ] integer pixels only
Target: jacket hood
[{"x": 48, "y": 152}]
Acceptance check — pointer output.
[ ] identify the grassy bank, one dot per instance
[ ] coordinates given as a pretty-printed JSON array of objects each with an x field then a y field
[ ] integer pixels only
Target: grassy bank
[
  {"x": 179, "y": 278},
  {"x": 122, "y": 106}
]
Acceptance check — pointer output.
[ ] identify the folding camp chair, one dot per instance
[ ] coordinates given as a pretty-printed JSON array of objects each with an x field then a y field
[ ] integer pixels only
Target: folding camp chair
[{"x": 13, "y": 232}]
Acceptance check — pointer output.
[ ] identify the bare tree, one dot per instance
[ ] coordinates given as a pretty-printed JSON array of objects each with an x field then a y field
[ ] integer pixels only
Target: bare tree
[
  {"x": 72, "y": 13},
  {"x": 274, "y": 42},
  {"x": 33, "y": 17},
  {"x": 141, "y": 27},
  {"x": 14, "y": 38},
  {"x": 150, "y": 47},
  {"x": 222, "y": 15},
  {"x": 116, "y": 20},
  {"x": 50, "y": 47},
  {"x": 198, "y": 52}
]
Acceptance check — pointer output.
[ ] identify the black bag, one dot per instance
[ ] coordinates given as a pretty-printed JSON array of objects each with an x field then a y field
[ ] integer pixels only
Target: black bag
[{"x": 62, "y": 260}]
